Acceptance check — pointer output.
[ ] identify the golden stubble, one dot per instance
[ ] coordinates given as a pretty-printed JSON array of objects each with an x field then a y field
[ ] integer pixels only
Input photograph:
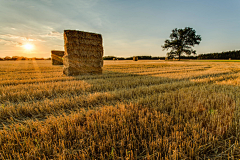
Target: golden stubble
[{"x": 142, "y": 110}]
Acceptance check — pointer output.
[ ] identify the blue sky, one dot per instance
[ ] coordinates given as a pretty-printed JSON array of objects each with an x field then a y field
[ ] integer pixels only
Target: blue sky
[{"x": 129, "y": 27}]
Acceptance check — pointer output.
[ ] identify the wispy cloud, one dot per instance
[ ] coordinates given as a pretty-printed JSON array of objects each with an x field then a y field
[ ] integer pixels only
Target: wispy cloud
[
  {"x": 20, "y": 38},
  {"x": 128, "y": 27},
  {"x": 53, "y": 34},
  {"x": 10, "y": 43}
]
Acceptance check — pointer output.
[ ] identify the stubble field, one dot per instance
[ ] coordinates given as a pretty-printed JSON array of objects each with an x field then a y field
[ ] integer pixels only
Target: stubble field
[{"x": 134, "y": 110}]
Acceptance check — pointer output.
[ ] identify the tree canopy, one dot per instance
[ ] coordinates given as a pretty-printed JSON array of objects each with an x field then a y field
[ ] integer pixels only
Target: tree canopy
[{"x": 181, "y": 41}]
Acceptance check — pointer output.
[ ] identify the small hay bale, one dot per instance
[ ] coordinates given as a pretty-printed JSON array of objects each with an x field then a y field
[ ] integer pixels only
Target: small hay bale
[
  {"x": 229, "y": 59},
  {"x": 114, "y": 59},
  {"x": 166, "y": 58},
  {"x": 83, "y": 53},
  {"x": 57, "y": 57},
  {"x": 135, "y": 58}
]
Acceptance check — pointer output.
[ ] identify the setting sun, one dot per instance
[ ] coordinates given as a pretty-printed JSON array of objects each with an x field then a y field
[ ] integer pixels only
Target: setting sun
[{"x": 28, "y": 46}]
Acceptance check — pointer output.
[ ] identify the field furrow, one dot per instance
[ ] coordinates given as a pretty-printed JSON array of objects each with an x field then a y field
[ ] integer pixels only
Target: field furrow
[
  {"x": 58, "y": 105},
  {"x": 133, "y": 110}
]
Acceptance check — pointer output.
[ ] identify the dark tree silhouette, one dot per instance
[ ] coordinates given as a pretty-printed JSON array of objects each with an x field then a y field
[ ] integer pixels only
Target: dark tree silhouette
[
  {"x": 181, "y": 41},
  {"x": 223, "y": 55}
]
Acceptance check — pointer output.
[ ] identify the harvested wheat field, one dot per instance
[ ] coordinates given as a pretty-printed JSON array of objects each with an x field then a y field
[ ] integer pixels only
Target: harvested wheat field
[{"x": 133, "y": 110}]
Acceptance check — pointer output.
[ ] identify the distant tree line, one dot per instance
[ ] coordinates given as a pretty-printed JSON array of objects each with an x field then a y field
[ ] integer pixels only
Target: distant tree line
[
  {"x": 16, "y": 58},
  {"x": 146, "y": 58},
  {"x": 224, "y": 55},
  {"x": 131, "y": 58}
]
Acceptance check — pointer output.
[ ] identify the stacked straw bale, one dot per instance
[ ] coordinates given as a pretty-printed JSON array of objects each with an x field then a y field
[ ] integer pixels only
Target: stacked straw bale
[
  {"x": 83, "y": 53},
  {"x": 135, "y": 58},
  {"x": 57, "y": 57}
]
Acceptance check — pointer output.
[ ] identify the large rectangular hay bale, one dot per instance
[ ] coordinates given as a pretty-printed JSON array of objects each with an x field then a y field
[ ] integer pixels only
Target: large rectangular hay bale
[
  {"x": 135, "y": 58},
  {"x": 57, "y": 57},
  {"x": 83, "y": 53}
]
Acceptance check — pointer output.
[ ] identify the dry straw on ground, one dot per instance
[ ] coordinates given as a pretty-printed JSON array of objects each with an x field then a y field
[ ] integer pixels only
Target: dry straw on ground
[
  {"x": 83, "y": 53},
  {"x": 135, "y": 58},
  {"x": 144, "y": 110},
  {"x": 57, "y": 57}
]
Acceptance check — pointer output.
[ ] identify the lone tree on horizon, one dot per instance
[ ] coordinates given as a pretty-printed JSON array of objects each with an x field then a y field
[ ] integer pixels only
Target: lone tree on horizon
[{"x": 181, "y": 41}]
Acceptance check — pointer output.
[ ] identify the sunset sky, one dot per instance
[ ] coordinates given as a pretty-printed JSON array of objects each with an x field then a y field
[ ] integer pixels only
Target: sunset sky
[{"x": 129, "y": 27}]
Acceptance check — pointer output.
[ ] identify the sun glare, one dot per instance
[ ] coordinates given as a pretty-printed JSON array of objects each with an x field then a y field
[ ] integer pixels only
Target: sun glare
[{"x": 28, "y": 46}]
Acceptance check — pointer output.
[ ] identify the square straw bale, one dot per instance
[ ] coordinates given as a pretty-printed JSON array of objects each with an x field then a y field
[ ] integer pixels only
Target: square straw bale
[
  {"x": 57, "y": 57},
  {"x": 83, "y": 53},
  {"x": 135, "y": 58}
]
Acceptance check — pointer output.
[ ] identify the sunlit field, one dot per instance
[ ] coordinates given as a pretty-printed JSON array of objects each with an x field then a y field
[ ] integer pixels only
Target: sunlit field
[{"x": 134, "y": 110}]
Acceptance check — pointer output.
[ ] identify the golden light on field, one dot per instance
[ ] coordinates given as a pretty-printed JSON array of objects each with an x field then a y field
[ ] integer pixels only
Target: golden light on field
[
  {"x": 28, "y": 46},
  {"x": 175, "y": 110}
]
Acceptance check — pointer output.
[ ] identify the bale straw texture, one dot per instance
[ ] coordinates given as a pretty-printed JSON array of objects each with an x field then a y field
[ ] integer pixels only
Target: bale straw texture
[
  {"x": 135, "y": 58},
  {"x": 83, "y": 53},
  {"x": 57, "y": 57}
]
